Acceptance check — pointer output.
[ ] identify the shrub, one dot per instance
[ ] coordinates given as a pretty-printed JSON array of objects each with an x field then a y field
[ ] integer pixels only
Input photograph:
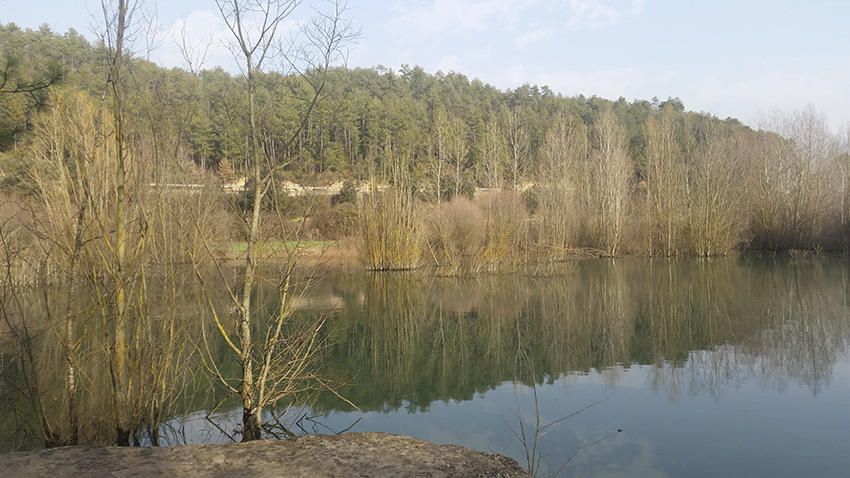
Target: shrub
[
  {"x": 456, "y": 236},
  {"x": 337, "y": 222},
  {"x": 487, "y": 235},
  {"x": 507, "y": 231},
  {"x": 391, "y": 231}
]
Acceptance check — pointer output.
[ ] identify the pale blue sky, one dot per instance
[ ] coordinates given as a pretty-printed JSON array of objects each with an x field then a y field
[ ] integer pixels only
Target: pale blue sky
[{"x": 744, "y": 58}]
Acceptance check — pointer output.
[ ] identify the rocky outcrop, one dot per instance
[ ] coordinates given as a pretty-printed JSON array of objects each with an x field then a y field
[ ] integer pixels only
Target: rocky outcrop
[{"x": 350, "y": 454}]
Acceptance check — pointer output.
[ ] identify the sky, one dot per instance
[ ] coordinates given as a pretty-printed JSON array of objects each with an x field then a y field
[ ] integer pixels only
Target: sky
[{"x": 741, "y": 58}]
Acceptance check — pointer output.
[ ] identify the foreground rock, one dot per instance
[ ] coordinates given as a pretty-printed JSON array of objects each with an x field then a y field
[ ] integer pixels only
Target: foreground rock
[{"x": 350, "y": 454}]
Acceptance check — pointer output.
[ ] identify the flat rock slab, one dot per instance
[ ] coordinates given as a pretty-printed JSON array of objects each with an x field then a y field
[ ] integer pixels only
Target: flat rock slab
[{"x": 349, "y": 454}]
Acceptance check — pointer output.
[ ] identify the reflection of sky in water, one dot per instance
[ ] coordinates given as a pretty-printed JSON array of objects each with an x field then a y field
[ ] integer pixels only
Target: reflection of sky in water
[
  {"x": 760, "y": 385},
  {"x": 740, "y": 367},
  {"x": 748, "y": 430}
]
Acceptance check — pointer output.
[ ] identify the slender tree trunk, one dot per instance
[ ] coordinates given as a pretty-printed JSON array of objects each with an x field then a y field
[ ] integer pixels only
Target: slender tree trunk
[
  {"x": 250, "y": 411},
  {"x": 457, "y": 177},
  {"x": 69, "y": 336},
  {"x": 439, "y": 177},
  {"x": 119, "y": 347}
]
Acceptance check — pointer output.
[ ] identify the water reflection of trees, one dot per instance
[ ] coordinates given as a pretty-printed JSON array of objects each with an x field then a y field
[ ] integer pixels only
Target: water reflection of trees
[
  {"x": 166, "y": 372},
  {"x": 705, "y": 325},
  {"x": 169, "y": 360},
  {"x": 407, "y": 340}
]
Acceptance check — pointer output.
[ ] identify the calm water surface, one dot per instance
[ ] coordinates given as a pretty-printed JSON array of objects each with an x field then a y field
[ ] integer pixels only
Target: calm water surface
[
  {"x": 735, "y": 367},
  {"x": 711, "y": 368}
]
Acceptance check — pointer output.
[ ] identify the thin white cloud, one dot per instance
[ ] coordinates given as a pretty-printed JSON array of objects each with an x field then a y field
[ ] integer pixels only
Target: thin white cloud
[
  {"x": 462, "y": 16},
  {"x": 531, "y": 37},
  {"x": 602, "y": 13},
  {"x": 440, "y": 16},
  {"x": 449, "y": 63},
  {"x": 203, "y": 31},
  {"x": 206, "y": 34}
]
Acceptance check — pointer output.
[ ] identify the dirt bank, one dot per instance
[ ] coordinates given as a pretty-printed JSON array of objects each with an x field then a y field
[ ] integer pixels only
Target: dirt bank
[{"x": 350, "y": 454}]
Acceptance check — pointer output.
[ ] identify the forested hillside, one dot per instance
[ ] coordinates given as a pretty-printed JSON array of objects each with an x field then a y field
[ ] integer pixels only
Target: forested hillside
[
  {"x": 366, "y": 110},
  {"x": 644, "y": 173}
]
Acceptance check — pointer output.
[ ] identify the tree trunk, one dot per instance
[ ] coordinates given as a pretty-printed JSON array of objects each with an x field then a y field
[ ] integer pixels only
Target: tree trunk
[
  {"x": 119, "y": 351},
  {"x": 250, "y": 413},
  {"x": 70, "y": 353}
]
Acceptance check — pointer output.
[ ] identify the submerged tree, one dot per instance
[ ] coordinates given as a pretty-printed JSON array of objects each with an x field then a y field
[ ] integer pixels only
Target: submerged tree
[
  {"x": 715, "y": 191},
  {"x": 271, "y": 367},
  {"x": 120, "y": 257},
  {"x": 665, "y": 182},
  {"x": 563, "y": 181},
  {"x": 612, "y": 171}
]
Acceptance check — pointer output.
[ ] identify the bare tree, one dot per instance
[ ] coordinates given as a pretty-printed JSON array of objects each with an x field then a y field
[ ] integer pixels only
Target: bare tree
[
  {"x": 795, "y": 189},
  {"x": 68, "y": 142},
  {"x": 20, "y": 331},
  {"x": 519, "y": 145},
  {"x": 493, "y": 153},
  {"x": 458, "y": 150},
  {"x": 119, "y": 28},
  {"x": 843, "y": 165},
  {"x": 564, "y": 156},
  {"x": 254, "y": 25},
  {"x": 391, "y": 225},
  {"x": 438, "y": 146},
  {"x": 612, "y": 171},
  {"x": 715, "y": 189},
  {"x": 814, "y": 149},
  {"x": 448, "y": 146},
  {"x": 665, "y": 182},
  {"x": 769, "y": 155}
]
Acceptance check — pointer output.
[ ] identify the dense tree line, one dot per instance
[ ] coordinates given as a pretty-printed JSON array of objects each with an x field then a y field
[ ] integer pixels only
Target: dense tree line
[
  {"x": 460, "y": 120},
  {"x": 615, "y": 176}
]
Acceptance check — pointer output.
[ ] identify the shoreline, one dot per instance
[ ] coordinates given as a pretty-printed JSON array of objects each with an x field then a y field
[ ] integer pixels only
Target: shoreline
[{"x": 348, "y": 454}]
